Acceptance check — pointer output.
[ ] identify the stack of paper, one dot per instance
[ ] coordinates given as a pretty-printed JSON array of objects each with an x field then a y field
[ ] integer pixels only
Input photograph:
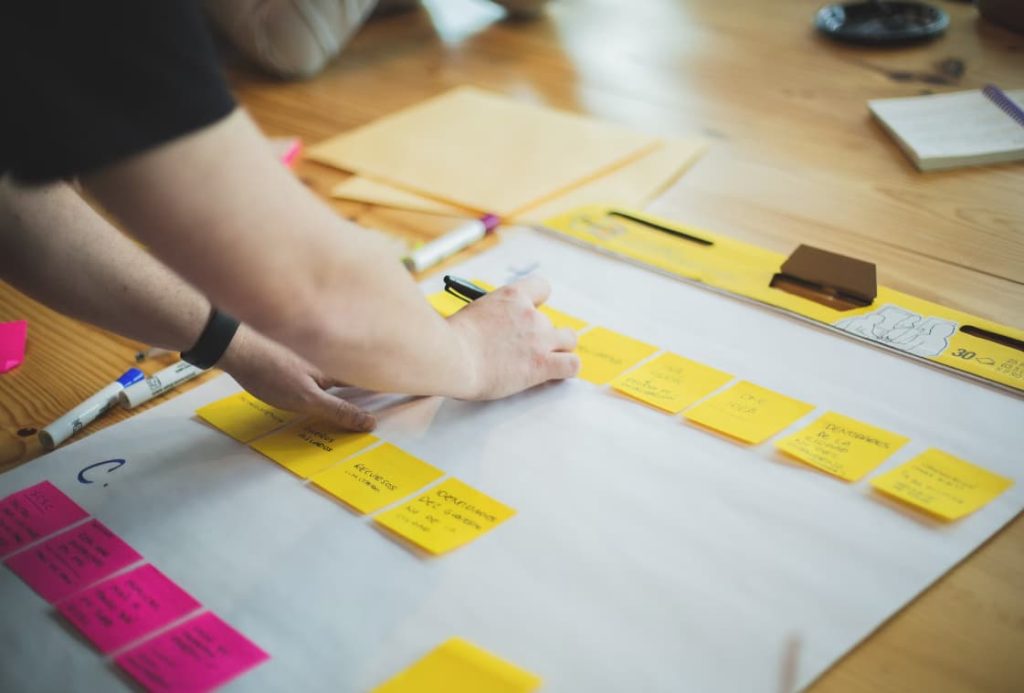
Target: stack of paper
[
  {"x": 964, "y": 128},
  {"x": 469, "y": 152}
]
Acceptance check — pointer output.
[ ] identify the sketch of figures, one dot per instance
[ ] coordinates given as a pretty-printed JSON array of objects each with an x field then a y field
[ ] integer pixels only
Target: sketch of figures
[{"x": 902, "y": 329}]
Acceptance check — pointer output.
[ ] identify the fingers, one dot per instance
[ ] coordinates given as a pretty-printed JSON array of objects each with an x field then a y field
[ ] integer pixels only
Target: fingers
[
  {"x": 534, "y": 288},
  {"x": 326, "y": 382},
  {"x": 340, "y": 412},
  {"x": 562, "y": 366},
  {"x": 565, "y": 340}
]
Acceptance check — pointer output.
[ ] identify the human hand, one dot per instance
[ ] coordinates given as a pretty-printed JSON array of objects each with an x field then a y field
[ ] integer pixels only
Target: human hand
[
  {"x": 511, "y": 346},
  {"x": 279, "y": 377}
]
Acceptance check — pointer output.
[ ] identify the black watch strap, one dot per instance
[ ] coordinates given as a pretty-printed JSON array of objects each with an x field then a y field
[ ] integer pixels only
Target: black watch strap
[{"x": 213, "y": 342}]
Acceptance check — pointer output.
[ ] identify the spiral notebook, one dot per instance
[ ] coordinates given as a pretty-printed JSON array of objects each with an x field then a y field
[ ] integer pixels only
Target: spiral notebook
[{"x": 966, "y": 128}]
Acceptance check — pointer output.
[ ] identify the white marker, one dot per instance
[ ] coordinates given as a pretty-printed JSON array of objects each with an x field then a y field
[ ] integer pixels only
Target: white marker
[
  {"x": 154, "y": 386},
  {"x": 459, "y": 238},
  {"x": 88, "y": 411}
]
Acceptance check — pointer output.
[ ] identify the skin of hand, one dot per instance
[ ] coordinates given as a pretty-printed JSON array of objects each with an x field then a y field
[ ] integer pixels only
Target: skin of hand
[
  {"x": 279, "y": 377},
  {"x": 219, "y": 210},
  {"x": 519, "y": 345},
  {"x": 57, "y": 249}
]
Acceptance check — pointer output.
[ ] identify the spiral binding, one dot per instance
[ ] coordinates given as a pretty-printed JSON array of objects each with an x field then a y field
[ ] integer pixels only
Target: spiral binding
[{"x": 1004, "y": 102}]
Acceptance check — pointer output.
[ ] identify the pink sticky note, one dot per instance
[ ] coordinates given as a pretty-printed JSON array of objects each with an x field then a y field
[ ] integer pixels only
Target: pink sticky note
[
  {"x": 118, "y": 611},
  {"x": 12, "y": 344},
  {"x": 198, "y": 655},
  {"x": 72, "y": 560},
  {"x": 34, "y": 513}
]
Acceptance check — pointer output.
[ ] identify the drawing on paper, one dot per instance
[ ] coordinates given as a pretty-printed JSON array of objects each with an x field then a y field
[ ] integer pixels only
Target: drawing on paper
[{"x": 901, "y": 329}]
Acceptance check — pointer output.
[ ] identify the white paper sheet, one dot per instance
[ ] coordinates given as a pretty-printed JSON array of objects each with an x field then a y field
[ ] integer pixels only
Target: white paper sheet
[{"x": 646, "y": 555}]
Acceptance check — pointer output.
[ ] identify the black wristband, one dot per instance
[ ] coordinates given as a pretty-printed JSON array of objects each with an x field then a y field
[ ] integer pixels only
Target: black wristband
[{"x": 213, "y": 341}]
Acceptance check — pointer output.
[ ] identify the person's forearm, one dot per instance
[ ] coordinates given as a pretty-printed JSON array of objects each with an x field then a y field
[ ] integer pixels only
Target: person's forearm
[
  {"x": 60, "y": 251},
  {"x": 218, "y": 209},
  {"x": 56, "y": 248}
]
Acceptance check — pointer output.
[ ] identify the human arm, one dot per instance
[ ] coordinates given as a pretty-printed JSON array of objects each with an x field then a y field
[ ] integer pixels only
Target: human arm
[
  {"x": 57, "y": 249},
  {"x": 218, "y": 209}
]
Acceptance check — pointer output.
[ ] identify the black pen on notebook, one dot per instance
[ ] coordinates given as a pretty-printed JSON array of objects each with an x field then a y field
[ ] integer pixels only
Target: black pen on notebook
[
  {"x": 459, "y": 238},
  {"x": 463, "y": 288}
]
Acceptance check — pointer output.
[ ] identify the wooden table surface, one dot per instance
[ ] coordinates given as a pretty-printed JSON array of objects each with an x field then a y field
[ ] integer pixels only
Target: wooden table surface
[{"x": 795, "y": 158}]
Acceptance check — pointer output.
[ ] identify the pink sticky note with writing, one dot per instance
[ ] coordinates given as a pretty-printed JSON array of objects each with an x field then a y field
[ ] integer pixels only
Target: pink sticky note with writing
[
  {"x": 12, "y": 344},
  {"x": 119, "y": 611},
  {"x": 33, "y": 513},
  {"x": 72, "y": 560},
  {"x": 199, "y": 655}
]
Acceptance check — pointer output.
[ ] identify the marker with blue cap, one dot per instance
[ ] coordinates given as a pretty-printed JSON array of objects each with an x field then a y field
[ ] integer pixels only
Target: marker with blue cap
[{"x": 88, "y": 411}]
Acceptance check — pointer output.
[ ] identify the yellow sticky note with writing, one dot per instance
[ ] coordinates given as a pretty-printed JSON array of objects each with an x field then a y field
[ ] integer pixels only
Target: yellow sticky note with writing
[
  {"x": 748, "y": 412},
  {"x": 448, "y": 305},
  {"x": 243, "y": 417},
  {"x": 842, "y": 446},
  {"x": 942, "y": 484},
  {"x": 458, "y": 666},
  {"x": 671, "y": 382},
  {"x": 376, "y": 478},
  {"x": 309, "y": 447},
  {"x": 445, "y": 517},
  {"x": 605, "y": 354},
  {"x": 560, "y": 319}
]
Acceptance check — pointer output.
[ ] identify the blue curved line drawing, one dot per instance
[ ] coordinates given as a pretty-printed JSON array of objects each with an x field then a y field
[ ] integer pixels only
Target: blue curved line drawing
[{"x": 112, "y": 465}]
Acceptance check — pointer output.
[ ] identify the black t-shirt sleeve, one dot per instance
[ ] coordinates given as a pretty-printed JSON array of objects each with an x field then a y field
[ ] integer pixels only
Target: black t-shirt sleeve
[{"x": 90, "y": 82}]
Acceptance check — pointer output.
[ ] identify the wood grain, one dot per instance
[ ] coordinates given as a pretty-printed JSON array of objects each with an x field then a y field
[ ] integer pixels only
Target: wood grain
[{"x": 796, "y": 159}]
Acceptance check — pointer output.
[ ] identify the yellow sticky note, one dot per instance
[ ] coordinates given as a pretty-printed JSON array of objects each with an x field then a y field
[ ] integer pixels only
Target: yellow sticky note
[
  {"x": 748, "y": 412},
  {"x": 310, "y": 447},
  {"x": 842, "y": 446},
  {"x": 445, "y": 517},
  {"x": 942, "y": 485},
  {"x": 605, "y": 354},
  {"x": 376, "y": 478},
  {"x": 458, "y": 666},
  {"x": 560, "y": 319},
  {"x": 671, "y": 382},
  {"x": 243, "y": 417},
  {"x": 445, "y": 303}
]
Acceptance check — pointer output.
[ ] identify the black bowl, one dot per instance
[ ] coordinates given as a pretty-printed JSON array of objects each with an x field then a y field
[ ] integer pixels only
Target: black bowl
[{"x": 880, "y": 23}]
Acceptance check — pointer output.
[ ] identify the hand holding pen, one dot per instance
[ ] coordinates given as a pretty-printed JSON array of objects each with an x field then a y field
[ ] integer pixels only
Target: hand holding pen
[{"x": 515, "y": 344}]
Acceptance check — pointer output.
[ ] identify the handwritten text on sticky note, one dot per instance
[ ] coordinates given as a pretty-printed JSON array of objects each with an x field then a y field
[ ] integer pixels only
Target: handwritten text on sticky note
[
  {"x": 199, "y": 655},
  {"x": 118, "y": 611},
  {"x": 34, "y": 513},
  {"x": 458, "y": 666},
  {"x": 376, "y": 478},
  {"x": 671, "y": 382},
  {"x": 243, "y": 417},
  {"x": 72, "y": 560},
  {"x": 445, "y": 517},
  {"x": 748, "y": 412},
  {"x": 605, "y": 354},
  {"x": 309, "y": 447},
  {"x": 842, "y": 446},
  {"x": 942, "y": 484}
]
